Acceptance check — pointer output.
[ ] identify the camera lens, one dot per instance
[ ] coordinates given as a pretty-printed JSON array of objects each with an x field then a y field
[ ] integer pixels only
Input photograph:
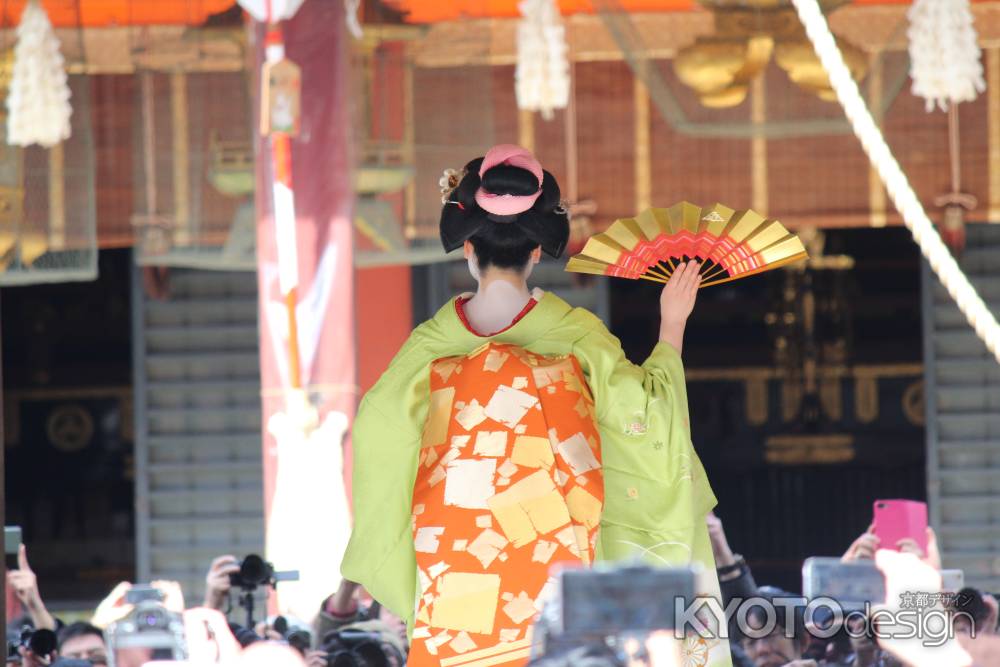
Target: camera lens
[
  {"x": 150, "y": 619},
  {"x": 255, "y": 569},
  {"x": 42, "y": 642}
]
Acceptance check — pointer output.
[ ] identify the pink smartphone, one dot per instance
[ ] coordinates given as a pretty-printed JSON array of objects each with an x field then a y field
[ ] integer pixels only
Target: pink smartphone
[{"x": 899, "y": 519}]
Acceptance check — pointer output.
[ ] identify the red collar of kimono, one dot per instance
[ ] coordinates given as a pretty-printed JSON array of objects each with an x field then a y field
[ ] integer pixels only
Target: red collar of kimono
[{"x": 460, "y": 301}]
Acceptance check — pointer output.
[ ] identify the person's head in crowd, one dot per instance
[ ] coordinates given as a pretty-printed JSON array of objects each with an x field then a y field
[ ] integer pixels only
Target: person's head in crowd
[
  {"x": 133, "y": 656},
  {"x": 83, "y": 641},
  {"x": 786, "y": 640},
  {"x": 372, "y": 643},
  {"x": 505, "y": 210},
  {"x": 975, "y": 612}
]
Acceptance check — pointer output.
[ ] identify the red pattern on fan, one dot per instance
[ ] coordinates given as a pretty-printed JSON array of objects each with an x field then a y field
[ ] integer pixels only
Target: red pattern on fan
[{"x": 731, "y": 244}]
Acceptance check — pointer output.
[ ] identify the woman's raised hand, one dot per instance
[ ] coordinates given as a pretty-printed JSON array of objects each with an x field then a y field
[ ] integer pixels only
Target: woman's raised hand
[{"x": 677, "y": 301}]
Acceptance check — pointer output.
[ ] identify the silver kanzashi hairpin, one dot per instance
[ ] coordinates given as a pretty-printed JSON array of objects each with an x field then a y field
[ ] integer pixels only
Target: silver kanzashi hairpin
[{"x": 449, "y": 181}]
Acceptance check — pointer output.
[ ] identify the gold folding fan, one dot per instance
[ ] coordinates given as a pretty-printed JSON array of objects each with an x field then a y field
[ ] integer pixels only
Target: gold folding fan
[{"x": 730, "y": 244}]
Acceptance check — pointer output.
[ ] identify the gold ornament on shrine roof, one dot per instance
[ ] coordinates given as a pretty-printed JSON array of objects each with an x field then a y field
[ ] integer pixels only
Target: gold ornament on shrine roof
[{"x": 748, "y": 35}]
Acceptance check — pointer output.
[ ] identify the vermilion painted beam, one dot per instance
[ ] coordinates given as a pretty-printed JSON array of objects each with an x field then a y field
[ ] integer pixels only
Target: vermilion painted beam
[
  {"x": 433, "y": 11},
  {"x": 101, "y": 13}
]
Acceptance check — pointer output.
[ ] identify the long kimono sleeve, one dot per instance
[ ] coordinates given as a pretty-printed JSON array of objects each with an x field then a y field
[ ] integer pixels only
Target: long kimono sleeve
[
  {"x": 386, "y": 445},
  {"x": 656, "y": 491}
]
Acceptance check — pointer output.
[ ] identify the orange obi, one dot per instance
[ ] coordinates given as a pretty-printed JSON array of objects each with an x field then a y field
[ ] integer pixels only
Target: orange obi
[{"x": 509, "y": 483}]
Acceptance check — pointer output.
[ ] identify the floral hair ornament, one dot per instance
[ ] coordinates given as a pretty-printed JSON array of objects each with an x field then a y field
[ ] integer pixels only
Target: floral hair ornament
[
  {"x": 449, "y": 181},
  {"x": 514, "y": 156}
]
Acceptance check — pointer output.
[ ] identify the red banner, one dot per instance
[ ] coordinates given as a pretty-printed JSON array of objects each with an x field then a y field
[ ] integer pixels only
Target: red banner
[{"x": 306, "y": 509}]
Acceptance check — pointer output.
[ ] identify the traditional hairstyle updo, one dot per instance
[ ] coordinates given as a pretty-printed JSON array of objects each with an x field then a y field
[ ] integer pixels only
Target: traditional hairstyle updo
[{"x": 505, "y": 241}]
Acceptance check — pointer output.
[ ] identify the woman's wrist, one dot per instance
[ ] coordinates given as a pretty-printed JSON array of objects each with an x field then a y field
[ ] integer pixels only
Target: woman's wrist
[
  {"x": 673, "y": 334},
  {"x": 339, "y": 609},
  {"x": 724, "y": 557},
  {"x": 342, "y": 603},
  {"x": 214, "y": 599},
  {"x": 732, "y": 570},
  {"x": 41, "y": 617}
]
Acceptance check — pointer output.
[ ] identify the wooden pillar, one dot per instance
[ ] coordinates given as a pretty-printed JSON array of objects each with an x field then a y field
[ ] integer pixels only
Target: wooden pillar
[
  {"x": 876, "y": 190},
  {"x": 409, "y": 147},
  {"x": 572, "y": 191},
  {"x": 324, "y": 196},
  {"x": 181, "y": 158},
  {"x": 526, "y": 129},
  {"x": 993, "y": 118},
  {"x": 758, "y": 146},
  {"x": 643, "y": 170},
  {"x": 57, "y": 198}
]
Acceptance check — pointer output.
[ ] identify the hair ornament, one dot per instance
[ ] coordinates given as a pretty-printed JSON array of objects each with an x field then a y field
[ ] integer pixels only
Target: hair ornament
[
  {"x": 507, "y": 204},
  {"x": 449, "y": 181},
  {"x": 562, "y": 208}
]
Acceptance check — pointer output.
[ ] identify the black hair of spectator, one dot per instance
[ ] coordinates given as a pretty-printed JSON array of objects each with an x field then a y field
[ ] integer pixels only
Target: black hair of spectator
[
  {"x": 781, "y": 608},
  {"x": 244, "y": 636},
  {"x": 78, "y": 629}
]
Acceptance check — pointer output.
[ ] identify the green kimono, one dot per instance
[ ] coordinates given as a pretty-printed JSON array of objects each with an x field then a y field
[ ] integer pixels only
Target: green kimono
[{"x": 656, "y": 492}]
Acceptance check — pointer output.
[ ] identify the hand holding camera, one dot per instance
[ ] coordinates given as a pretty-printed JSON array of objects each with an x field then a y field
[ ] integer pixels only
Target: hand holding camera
[
  {"x": 152, "y": 630},
  {"x": 251, "y": 573},
  {"x": 219, "y": 580},
  {"x": 36, "y": 648}
]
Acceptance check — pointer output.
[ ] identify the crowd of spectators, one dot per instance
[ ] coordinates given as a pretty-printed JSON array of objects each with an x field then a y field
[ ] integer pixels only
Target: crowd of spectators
[{"x": 351, "y": 630}]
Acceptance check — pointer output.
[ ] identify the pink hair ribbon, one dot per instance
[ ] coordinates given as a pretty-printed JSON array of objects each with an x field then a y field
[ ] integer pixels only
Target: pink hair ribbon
[{"x": 514, "y": 156}]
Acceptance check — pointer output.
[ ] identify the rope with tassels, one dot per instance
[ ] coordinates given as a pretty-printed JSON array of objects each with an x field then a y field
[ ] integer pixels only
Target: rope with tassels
[{"x": 899, "y": 188}]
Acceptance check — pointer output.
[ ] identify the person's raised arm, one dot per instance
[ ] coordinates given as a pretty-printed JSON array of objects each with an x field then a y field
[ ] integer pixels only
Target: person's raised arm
[
  {"x": 25, "y": 585},
  {"x": 676, "y": 303},
  {"x": 343, "y": 602}
]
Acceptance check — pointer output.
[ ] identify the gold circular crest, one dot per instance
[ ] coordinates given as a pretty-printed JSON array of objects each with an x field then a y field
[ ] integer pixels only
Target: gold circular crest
[
  {"x": 913, "y": 403},
  {"x": 69, "y": 427}
]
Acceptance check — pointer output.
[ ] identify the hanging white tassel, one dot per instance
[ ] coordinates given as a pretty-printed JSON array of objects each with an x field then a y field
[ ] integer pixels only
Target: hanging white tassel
[
  {"x": 351, "y": 10},
  {"x": 38, "y": 109},
  {"x": 271, "y": 10},
  {"x": 541, "y": 79},
  {"x": 944, "y": 53}
]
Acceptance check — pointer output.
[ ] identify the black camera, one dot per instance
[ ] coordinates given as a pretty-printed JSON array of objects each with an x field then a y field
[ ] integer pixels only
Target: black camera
[
  {"x": 297, "y": 638},
  {"x": 349, "y": 647},
  {"x": 255, "y": 571},
  {"x": 41, "y": 642},
  {"x": 594, "y": 608},
  {"x": 149, "y": 629}
]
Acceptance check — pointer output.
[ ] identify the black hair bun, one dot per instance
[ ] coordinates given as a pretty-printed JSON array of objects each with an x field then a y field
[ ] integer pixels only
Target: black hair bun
[
  {"x": 506, "y": 180},
  {"x": 541, "y": 225},
  {"x": 551, "y": 197}
]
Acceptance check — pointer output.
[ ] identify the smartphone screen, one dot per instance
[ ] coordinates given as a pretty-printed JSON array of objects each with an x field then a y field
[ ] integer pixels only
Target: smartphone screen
[
  {"x": 11, "y": 545},
  {"x": 952, "y": 581},
  {"x": 852, "y": 584},
  {"x": 619, "y": 600}
]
